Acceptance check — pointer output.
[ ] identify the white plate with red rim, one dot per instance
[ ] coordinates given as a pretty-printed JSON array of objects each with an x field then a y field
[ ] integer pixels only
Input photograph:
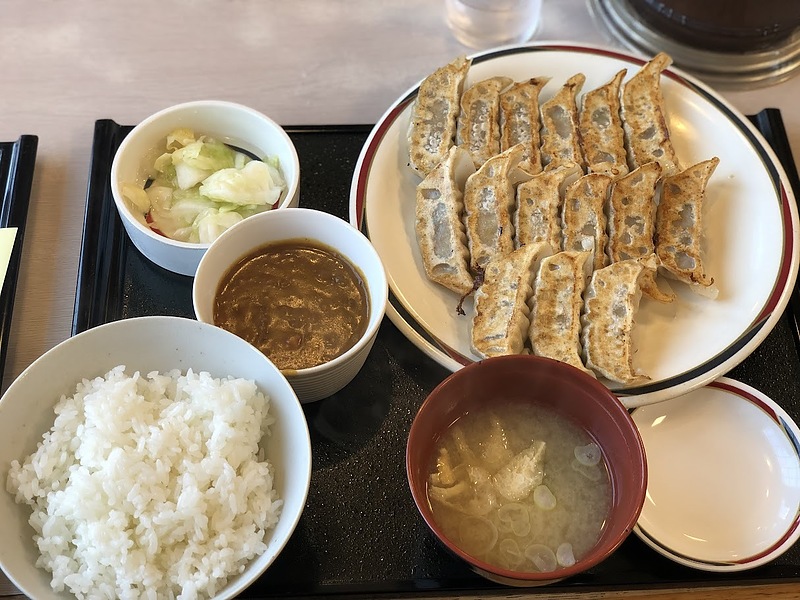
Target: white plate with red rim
[
  {"x": 750, "y": 219},
  {"x": 724, "y": 497}
]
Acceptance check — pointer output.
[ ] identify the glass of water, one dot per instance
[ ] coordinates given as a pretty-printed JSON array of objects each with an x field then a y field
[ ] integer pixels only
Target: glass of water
[{"x": 487, "y": 23}]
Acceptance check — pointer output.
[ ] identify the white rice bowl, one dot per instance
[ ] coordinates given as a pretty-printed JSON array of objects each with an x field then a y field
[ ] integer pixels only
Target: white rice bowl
[{"x": 184, "y": 480}]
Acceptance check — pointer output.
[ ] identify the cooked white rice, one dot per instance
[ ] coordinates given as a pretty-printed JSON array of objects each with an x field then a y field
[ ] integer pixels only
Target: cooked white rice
[{"x": 151, "y": 487}]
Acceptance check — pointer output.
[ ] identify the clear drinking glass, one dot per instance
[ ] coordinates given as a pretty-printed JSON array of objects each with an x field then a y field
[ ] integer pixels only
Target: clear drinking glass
[{"x": 487, "y": 23}]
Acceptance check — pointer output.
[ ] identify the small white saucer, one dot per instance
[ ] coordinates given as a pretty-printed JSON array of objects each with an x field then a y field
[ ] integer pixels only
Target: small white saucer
[{"x": 723, "y": 490}]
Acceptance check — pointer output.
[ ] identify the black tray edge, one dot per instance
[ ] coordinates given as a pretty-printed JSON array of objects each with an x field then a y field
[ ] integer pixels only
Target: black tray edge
[
  {"x": 100, "y": 266},
  {"x": 770, "y": 123},
  {"x": 14, "y": 213}
]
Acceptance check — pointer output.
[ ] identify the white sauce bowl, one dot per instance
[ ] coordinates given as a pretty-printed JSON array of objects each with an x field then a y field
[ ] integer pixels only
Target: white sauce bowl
[{"x": 269, "y": 227}]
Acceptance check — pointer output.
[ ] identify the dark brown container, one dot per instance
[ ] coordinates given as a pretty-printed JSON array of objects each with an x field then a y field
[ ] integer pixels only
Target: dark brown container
[{"x": 722, "y": 25}]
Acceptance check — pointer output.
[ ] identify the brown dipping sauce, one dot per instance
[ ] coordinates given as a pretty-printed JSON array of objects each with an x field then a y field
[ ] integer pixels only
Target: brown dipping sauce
[{"x": 298, "y": 302}]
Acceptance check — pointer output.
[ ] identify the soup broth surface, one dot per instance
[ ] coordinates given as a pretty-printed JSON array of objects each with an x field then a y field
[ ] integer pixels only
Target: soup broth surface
[{"x": 519, "y": 487}]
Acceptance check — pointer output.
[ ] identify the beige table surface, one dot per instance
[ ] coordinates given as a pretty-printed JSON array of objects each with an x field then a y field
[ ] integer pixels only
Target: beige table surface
[{"x": 65, "y": 64}]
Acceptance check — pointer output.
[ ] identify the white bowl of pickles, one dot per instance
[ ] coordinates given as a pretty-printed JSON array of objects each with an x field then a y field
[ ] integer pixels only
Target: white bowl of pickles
[{"x": 189, "y": 172}]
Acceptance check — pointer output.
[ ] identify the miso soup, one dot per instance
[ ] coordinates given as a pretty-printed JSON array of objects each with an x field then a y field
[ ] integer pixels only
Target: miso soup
[{"x": 519, "y": 487}]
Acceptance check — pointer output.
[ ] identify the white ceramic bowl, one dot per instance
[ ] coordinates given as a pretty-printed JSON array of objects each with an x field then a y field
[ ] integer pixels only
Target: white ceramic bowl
[
  {"x": 323, "y": 380},
  {"x": 145, "y": 344},
  {"x": 226, "y": 121}
]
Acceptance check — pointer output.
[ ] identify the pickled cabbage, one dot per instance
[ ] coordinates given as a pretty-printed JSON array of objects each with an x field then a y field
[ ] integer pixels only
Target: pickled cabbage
[{"x": 201, "y": 187}]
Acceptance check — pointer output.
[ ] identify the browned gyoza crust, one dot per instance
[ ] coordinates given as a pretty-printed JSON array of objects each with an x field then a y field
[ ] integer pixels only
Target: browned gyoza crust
[
  {"x": 539, "y": 202},
  {"x": 610, "y": 304},
  {"x": 644, "y": 117},
  {"x": 520, "y": 121},
  {"x": 679, "y": 225},
  {"x": 583, "y": 216},
  {"x": 479, "y": 120},
  {"x": 555, "y": 318},
  {"x": 632, "y": 223},
  {"x": 501, "y": 319},
  {"x": 561, "y": 136},
  {"x": 632, "y": 213},
  {"x": 440, "y": 230},
  {"x": 489, "y": 202},
  {"x": 434, "y": 116},
  {"x": 602, "y": 135}
]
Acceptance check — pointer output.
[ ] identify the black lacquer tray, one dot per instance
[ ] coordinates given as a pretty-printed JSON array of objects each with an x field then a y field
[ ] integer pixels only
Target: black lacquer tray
[
  {"x": 360, "y": 534},
  {"x": 17, "y": 160}
]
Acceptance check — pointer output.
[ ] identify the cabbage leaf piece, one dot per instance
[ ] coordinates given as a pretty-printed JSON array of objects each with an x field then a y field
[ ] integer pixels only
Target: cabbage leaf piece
[
  {"x": 255, "y": 183},
  {"x": 199, "y": 187}
]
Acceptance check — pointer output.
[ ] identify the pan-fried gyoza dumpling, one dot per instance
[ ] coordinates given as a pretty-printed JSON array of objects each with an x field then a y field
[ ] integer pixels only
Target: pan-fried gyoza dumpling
[
  {"x": 679, "y": 226},
  {"x": 644, "y": 118},
  {"x": 561, "y": 136},
  {"x": 651, "y": 284},
  {"x": 555, "y": 328},
  {"x": 489, "y": 199},
  {"x": 539, "y": 201},
  {"x": 434, "y": 116},
  {"x": 520, "y": 121},
  {"x": 583, "y": 216},
  {"x": 602, "y": 135},
  {"x": 501, "y": 320},
  {"x": 610, "y": 304},
  {"x": 632, "y": 213},
  {"x": 632, "y": 222},
  {"x": 479, "y": 120},
  {"x": 440, "y": 229}
]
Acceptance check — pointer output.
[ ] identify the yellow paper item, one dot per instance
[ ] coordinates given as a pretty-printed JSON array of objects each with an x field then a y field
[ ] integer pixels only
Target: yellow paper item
[{"x": 7, "y": 237}]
